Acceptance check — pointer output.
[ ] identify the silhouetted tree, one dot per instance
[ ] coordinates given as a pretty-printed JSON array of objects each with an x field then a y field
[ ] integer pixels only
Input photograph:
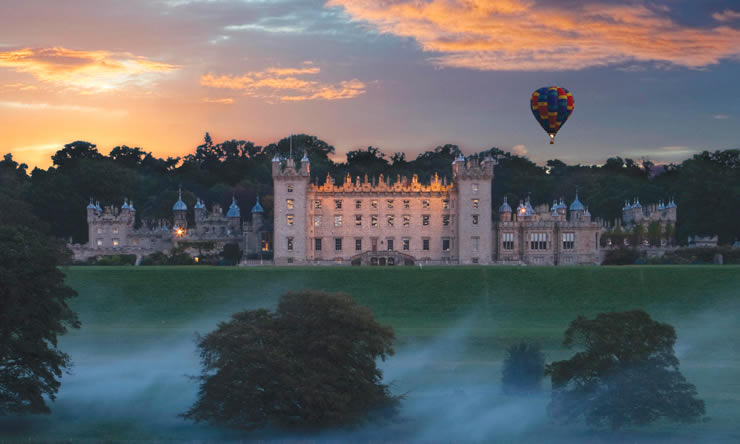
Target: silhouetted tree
[
  {"x": 311, "y": 363},
  {"x": 524, "y": 368},
  {"x": 626, "y": 374},
  {"x": 232, "y": 253}
]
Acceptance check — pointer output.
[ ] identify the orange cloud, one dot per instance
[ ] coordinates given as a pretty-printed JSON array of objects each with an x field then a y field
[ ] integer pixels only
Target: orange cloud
[
  {"x": 84, "y": 71},
  {"x": 225, "y": 101},
  {"x": 274, "y": 85},
  {"x": 519, "y": 35}
]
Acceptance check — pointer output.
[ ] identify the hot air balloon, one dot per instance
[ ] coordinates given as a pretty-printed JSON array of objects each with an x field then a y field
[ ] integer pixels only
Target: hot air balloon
[{"x": 551, "y": 106}]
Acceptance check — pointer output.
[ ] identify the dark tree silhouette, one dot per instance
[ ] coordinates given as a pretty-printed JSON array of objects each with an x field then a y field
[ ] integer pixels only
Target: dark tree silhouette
[
  {"x": 33, "y": 313},
  {"x": 524, "y": 368},
  {"x": 627, "y": 374},
  {"x": 310, "y": 364}
]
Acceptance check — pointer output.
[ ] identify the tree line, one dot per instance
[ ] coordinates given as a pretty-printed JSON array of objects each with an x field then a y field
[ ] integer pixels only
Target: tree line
[{"x": 706, "y": 186}]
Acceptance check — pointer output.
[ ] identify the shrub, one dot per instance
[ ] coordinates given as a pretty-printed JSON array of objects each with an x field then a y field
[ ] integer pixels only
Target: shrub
[{"x": 621, "y": 256}]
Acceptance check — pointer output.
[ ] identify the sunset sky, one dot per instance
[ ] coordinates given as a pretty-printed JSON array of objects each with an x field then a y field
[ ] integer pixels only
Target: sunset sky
[{"x": 657, "y": 79}]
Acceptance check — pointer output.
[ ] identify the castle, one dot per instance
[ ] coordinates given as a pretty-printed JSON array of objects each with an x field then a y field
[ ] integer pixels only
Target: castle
[{"x": 377, "y": 222}]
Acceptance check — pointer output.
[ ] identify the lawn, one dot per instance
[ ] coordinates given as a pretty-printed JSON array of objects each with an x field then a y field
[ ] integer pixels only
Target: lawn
[{"x": 452, "y": 323}]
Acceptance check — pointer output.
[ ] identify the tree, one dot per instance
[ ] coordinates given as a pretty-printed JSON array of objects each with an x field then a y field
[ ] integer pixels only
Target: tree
[
  {"x": 627, "y": 374},
  {"x": 33, "y": 313},
  {"x": 311, "y": 363},
  {"x": 232, "y": 253},
  {"x": 524, "y": 368}
]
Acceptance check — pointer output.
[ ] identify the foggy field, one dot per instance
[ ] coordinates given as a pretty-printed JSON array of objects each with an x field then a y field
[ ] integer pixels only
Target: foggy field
[{"x": 453, "y": 323}]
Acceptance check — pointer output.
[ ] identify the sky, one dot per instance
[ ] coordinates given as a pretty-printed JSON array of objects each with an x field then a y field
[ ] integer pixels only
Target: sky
[{"x": 651, "y": 79}]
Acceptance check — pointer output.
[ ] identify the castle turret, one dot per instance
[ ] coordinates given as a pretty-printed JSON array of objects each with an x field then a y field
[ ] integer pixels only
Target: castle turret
[
  {"x": 505, "y": 211},
  {"x": 200, "y": 211},
  {"x": 234, "y": 215},
  {"x": 577, "y": 209},
  {"x": 457, "y": 165},
  {"x": 305, "y": 165},
  {"x": 179, "y": 209},
  {"x": 258, "y": 214}
]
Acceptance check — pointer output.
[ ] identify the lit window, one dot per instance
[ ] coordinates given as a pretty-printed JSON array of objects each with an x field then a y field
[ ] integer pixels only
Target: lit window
[
  {"x": 338, "y": 220},
  {"x": 290, "y": 243},
  {"x": 508, "y": 240},
  {"x": 289, "y": 204},
  {"x": 135, "y": 242},
  {"x": 406, "y": 244},
  {"x": 358, "y": 244},
  {"x": 389, "y": 202},
  {"x": 317, "y": 244},
  {"x": 115, "y": 229},
  {"x": 474, "y": 243},
  {"x": 445, "y": 244},
  {"x": 425, "y": 220},
  {"x": 445, "y": 219},
  {"x": 317, "y": 204},
  {"x": 476, "y": 203},
  {"x": 290, "y": 219},
  {"x": 406, "y": 220},
  {"x": 373, "y": 204},
  {"x": 474, "y": 187},
  {"x": 374, "y": 220},
  {"x": 569, "y": 241},
  {"x": 290, "y": 188},
  {"x": 425, "y": 203},
  {"x": 406, "y": 204},
  {"x": 389, "y": 218},
  {"x": 100, "y": 230},
  {"x": 338, "y": 244},
  {"x": 100, "y": 242},
  {"x": 358, "y": 204},
  {"x": 425, "y": 244},
  {"x": 115, "y": 242},
  {"x": 317, "y": 221},
  {"x": 445, "y": 204},
  {"x": 338, "y": 204},
  {"x": 475, "y": 219},
  {"x": 358, "y": 220}
]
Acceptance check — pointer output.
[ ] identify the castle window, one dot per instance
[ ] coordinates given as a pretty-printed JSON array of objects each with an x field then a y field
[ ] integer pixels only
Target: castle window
[
  {"x": 358, "y": 220},
  {"x": 290, "y": 188},
  {"x": 476, "y": 204},
  {"x": 289, "y": 243},
  {"x": 425, "y": 244},
  {"x": 475, "y": 219},
  {"x": 425, "y": 203},
  {"x": 337, "y": 220},
  {"x": 99, "y": 243},
  {"x": 317, "y": 221},
  {"x": 115, "y": 242},
  {"x": 390, "y": 244},
  {"x": 474, "y": 244},
  {"x": 358, "y": 204},
  {"x": 338, "y": 244},
  {"x": 373, "y": 204},
  {"x": 338, "y": 204},
  {"x": 100, "y": 230},
  {"x": 474, "y": 187},
  {"x": 406, "y": 220},
  {"x": 358, "y": 244},
  {"x": 475, "y": 260},
  {"x": 445, "y": 219},
  {"x": 289, "y": 204},
  {"x": 374, "y": 220},
  {"x": 289, "y": 219},
  {"x": 389, "y": 218},
  {"x": 317, "y": 204},
  {"x": 508, "y": 241},
  {"x": 425, "y": 219},
  {"x": 538, "y": 241},
  {"x": 389, "y": 203},
  {"x": 115, "y": 230},
  {"x": 317, "y": 244},
  {"x": 569, "y": 241},
  {"x": 406, "y": 204},
  {"x": 445, "y": 204},
  {"x": 135, "y": 242},
  {"x": 446, "y": 244},
  {"x": 406, "y": 244}
]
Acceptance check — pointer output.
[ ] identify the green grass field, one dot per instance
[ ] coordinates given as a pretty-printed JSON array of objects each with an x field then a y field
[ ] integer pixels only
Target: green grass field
[{"x": 452, "y": 323}]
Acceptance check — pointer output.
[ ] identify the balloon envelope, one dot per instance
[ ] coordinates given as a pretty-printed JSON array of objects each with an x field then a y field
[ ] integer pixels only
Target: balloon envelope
[{"x": 551, "y": 106}]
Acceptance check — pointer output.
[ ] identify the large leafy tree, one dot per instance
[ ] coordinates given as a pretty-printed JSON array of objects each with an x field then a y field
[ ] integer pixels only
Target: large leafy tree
[
  {"x": 311, "y": 363},
  {"x": 33, "y": 313},
  {"x": 626, "y": 374},
  {"x": 524, "y": 368}
]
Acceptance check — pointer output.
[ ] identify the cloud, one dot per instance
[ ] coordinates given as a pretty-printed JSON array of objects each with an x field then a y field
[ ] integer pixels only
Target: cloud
[
  {"x": 19, "y": 87},
  {"x": 226, "y": 101},
  {"x": 74, "y": 108},
  {"x": 720, "y": 116},
  {"x": 42, "y": 147},
  {"x": 726, "y": 16},
  {"x": 507, "y": 35},
  {"x": 84, "y": 71},
  {"x": 519, "y": 150},
  {"x": 285, "y": 85}
]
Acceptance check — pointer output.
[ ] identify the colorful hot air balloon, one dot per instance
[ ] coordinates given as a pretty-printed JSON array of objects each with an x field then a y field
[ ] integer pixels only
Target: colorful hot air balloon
[{"x": 551, "y": 106}]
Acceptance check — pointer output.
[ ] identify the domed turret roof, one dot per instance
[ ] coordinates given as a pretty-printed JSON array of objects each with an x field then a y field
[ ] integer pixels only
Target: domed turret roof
[
  {"x": 179, "y": 205},
  {"x": 561, "y": 204},
  {"x": 199, "y": 204},
  {"x": 577, "y": 205},
  {"x": 627, "y": 205},
  {"x": 131, "y": 206},
  {"x": 671, "y": 204},
  {"x": 91, "y": 205},
  {"x": 505, "y": 207},
  {"x": 637, "y": 203},
  {"x": 234, "y": 210},
  {"x": 661, "y": 206},
  {"x": 97, "y": 206},
  {"x": 125, "y": 204},
  {"x": 528, "y": 206},
  {"x": 257, "y": 208}
]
